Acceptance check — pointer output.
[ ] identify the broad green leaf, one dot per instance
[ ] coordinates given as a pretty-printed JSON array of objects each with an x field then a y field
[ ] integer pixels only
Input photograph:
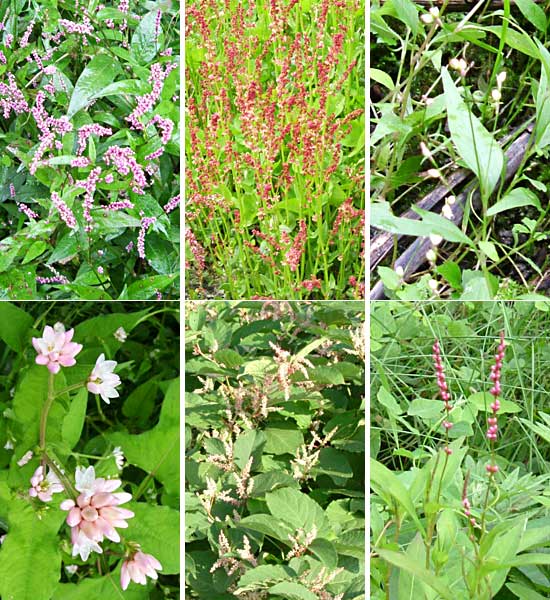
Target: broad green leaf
[
  {"x": 523, "y": 592},
  {"x": 298, "y": 510},
  {"x": 518, "y": 40},
  {"x": 514, "y": 199},
  {"x": 263, "y": 576},
  {"x": 131, "y": 87},
  {"x": 476, "y": 146},
  {"x": 266, "y": 482},
  {"x": 267, "y": 525},
  {"x": 36, "y": 249},
  {"x": 148, "y": 287},
  {"x": 106, "y": 588},
  {"x": 425, "y": 408},
  {"x": 292, "y": 591},
  {"x": 248, "y": 444},
  {"x": 385, "y": 483},
  {"x": 386, "y": 399},
  {"x": 415, "y": 567},
  {"x": 99, "y": 73},
  {"x": 30, "y": 559},
  {"x": 334, "y": 463},
  {"x": 15, "y": 326},
  {"x": 483, "y": 400},
  {"x": 74, "y": 419},
  {"x": 282, "y": 441},
  {"x": 325, "y": 552},
  {"x": 144, "y": 44},
  {"x": 156, "y": 529}
]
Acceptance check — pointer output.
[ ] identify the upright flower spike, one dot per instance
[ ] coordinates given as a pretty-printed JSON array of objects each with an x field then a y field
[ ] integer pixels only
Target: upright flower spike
[
  {"x": 102, "y": 380},
  {"x": 55, "y": 348},
  {"x": 443, "y": 388},
  {"x": 492, "y": 430}
]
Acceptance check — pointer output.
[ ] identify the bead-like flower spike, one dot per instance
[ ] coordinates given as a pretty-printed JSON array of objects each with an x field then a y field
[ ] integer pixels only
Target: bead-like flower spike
[{"x": 443, "y": 389}]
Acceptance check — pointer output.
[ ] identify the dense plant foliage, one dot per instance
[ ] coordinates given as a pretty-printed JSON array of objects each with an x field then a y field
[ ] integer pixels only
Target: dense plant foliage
[
  {"x": 458, "y": 89},
  {"x": 460, "y": 436},
  {"x": 89, "y": 490},
  {"x": 274, "y": 441},
  {"x": 275, "y": 148},
  {"x": 89, "y": 146}
]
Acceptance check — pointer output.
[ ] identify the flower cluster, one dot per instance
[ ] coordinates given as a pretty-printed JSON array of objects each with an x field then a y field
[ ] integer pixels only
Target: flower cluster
[
  {"x": 55, "y": 348},
  {"x": 492, "y": 430},
  {"x": 43, "y": 486},
  {"x": 138, "y": 567},
  {"x": 124, "y": 160}
]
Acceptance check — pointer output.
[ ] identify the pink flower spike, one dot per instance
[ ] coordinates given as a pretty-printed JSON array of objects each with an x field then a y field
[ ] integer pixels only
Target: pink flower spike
[
  {"x": 137, "y": 568},
  {"x": 55, "y": 348}
]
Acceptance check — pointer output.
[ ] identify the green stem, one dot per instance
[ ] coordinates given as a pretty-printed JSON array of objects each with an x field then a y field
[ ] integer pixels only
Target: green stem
[{"x": 45, "y": 411}]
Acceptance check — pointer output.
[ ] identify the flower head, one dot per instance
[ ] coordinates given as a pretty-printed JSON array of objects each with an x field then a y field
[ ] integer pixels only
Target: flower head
[
  {"x": 139, "y": 567},
  {"x": 44, "y": 486},
  {"x": 102, "y": 380},
  {"x": 96, "y": 513},
  {"x": 55, "y": 348}
]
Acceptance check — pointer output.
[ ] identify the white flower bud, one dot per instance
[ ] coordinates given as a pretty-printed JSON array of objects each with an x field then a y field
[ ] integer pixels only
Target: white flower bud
[
  {"x": 427, "y": 18},
  {"x": 435, "y": 239},
  {"x": 496, "y": 95},
  {"x": 431, "y": 256}
]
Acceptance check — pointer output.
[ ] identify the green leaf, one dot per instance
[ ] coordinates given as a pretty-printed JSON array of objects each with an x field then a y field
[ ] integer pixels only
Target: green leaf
[
  {"x": 440, "y": 225},
  {"x": 483, "y": 400},
  {"x": 334, "y": 463},
  {"x": 266, "y": 482},
  {"x": 386, "y": 399},
  {"x": 262, "y": 576},
  {"x": 35, "y": 250},
  {"x": 30, "y": 560},
  {"x": 533, "y": 13},
  {"x": 297, "y": 509},
  {"x": 325, "y": 552},
  {"x": 326, "y": 375},
  {"x": 414, "y": 567},
  {"x": 489, "y": 249},
  {"x": 382, "y": 77},
  {"x": 267, "y": 525},
  {"x": 156, "y": 529},
  {"x": 385, "y": 483},
  {"x": 514, "y": 199},
  {"x": 476, "y": 146},
  {"x": 146, "y": 288},
  {"x": 518, "y": 40},
  {"x": 292, "y": 591},
  {"x": 99, "y": 72},
  {"x": 74, "y": 420},
  {"x": 282, "y": 441},
  {"x": 144, "y": 44},
  {"x": 106, "y": 588},
  {"x": 15, "y": 328},
  {"x": 248, "y": 444},
  {"x": 523, "y": 592}
]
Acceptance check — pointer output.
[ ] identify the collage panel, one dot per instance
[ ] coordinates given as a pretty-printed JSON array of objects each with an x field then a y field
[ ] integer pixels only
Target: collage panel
[
  {"x": 460, "y": 135},
  {"x": 89, "y": 450},
  {"x": 275, "y": 149},
  {"x": 89, "y": 150},
  {"x": 274, "y": 450},
  {"x": 459, "y": 446}
]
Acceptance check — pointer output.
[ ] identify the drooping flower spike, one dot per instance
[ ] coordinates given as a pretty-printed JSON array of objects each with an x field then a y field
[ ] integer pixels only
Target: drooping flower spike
[{"x": 55, "y": 348}]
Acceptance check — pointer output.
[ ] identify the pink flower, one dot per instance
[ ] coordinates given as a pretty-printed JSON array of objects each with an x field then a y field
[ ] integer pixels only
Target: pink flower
[
  {"x": 44, "y": 487},
  {"x": 96, "y": 513},
  {"x": 138, "y": 568},
  {"x": 102, "y": 380},
  {"x": 55, "y": 348}
]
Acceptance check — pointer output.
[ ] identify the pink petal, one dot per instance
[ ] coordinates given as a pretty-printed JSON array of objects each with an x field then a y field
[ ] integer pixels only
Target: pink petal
[
  {"x": 124, "y": 576},
  {"x": 122, "y": 497},
  {"x": 54, "y": 368},
  {"x": 67, "y": 504},
  {"x": 42, "y": 359},
  {"x": 74, "y": 517}
]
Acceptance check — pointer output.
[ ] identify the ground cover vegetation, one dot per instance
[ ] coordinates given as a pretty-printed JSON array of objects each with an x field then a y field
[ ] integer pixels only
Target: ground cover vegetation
[
  {"x": 274, "y": 438},
  {"x": 89, "y": 146},
  {"x": 460, "y": 137},
  {"x": 275, "y": 148},
  {"x": 460, "y": 459},
  {"x": 89, "y": 451}
]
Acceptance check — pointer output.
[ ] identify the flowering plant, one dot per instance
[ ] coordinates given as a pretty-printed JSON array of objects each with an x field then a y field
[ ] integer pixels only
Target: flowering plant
[
  {"x": 89, "y": 144},
  {"x": 88, "y": 485},
  {"x": 275, "y": 450}
]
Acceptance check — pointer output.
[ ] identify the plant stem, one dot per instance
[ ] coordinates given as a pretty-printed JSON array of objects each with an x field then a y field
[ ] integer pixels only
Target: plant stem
[{"x": 45, "y": 411}]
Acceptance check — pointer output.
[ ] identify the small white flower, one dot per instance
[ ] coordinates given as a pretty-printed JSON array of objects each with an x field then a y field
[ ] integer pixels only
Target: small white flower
[
  {"x": 496, "y": 95},
  {"x": 102, "y": 380},
  {"x": 433, "y": 173},
  {"x": 400, "y": 271},
  {"x": 427, "y": 18},
  {"x": 120, "y": 334},
  {"x": 431, "y": 256},
  {"x": 8, "y": 445},
  {"x": 433, "y": 285},
  {"x": 501, "y": 78},
  {"x": 119, "y": 457},
  {"x": 85, "y": 480},
  {"x": 447, "y": 211},
  {"x": 435, "y": 239},
  {"x": 71, "y": 569},
  {"x": 44, "y": 487},
  {"x": 83, "y": 545},
  {"x": 25, "y": 458}
]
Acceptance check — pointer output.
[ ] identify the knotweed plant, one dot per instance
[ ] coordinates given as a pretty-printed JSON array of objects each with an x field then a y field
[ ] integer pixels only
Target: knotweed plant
[
  {"x": 457, "y": 515},
  {"x": 62, "y": 501},
  {"x": 274, "y": 451},
  {"x": 274, "y": 148},
  {"x": 89, "y": 120}
]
